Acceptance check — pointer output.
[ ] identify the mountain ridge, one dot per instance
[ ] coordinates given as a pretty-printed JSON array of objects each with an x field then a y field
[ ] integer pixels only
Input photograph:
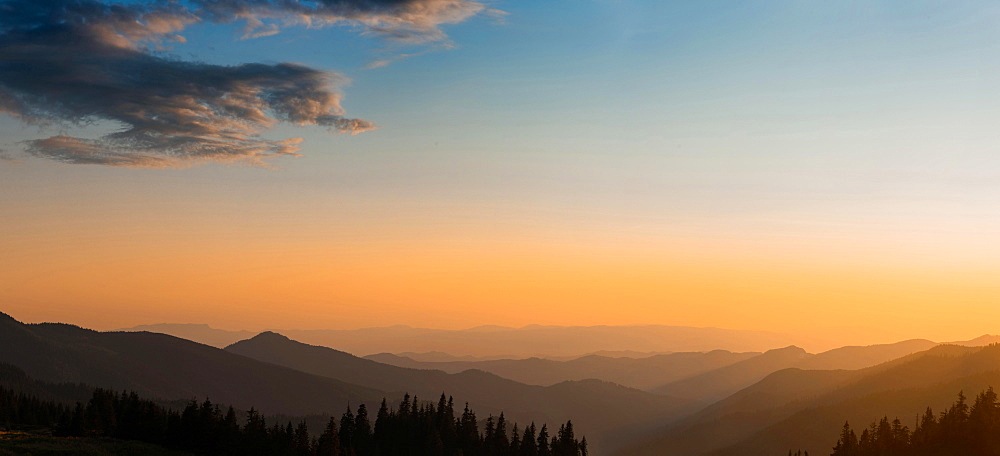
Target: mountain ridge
[{"x": 599, "y": 408}]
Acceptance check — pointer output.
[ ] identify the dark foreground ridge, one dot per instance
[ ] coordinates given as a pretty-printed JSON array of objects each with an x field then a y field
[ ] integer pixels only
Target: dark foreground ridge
[
  {"x": 957, "y": 430},
  {"x": 412, "y": 428}
]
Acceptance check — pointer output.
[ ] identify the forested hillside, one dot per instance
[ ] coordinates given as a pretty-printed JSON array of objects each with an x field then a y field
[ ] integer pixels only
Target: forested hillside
[
  {"x": 412, "y": 428},
  {"x": 958, "y": 430}
]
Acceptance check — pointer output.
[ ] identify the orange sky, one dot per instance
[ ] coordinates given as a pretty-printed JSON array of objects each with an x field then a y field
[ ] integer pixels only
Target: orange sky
[
  {"x": 240, "y": 270},
  {"x": 829, "y": 169}
]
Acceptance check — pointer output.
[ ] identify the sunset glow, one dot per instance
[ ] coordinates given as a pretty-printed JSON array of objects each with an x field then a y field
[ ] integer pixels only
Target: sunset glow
[{"x": 676, "y": 164}]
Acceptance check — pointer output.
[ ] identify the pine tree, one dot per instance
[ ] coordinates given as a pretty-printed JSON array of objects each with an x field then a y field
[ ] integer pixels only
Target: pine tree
[
  {"x": 543, "y": 441},
  {"x": 847, "y": 445},
  {"x": 301, "y": 444},
  {"x": 501, "y": 442},
  {"x": 347, "y": 447},
  {"x": 468, "y": 431},
  {"x": 529, "y": 443},
  {"x": 329, "y": 442},
  {"x": 362, "y": 440},
  {"x": 515, "y": 441}
]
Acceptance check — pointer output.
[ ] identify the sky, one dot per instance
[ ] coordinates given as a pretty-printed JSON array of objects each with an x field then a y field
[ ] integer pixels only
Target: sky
[{"x": 820, "y": 168}]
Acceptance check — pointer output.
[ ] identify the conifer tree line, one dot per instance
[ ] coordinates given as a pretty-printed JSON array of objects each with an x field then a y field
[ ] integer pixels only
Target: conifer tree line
[
  {"x": 413, "y": 428},
  {"x": 18, "y": 410},
  {"x": 959, "y": 430}
]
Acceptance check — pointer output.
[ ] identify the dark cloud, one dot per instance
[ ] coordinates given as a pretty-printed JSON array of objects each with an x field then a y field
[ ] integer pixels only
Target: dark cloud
[{"x": 83, "y": 61}]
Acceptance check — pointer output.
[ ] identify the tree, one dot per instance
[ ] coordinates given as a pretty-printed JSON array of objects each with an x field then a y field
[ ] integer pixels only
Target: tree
[
  {"x": 347, "y": 433},
  {"x": 543, "y": 441},
  {"x": 202, "y": 428},
  {"x": 847, "y": 445},
  {"x": 529, "y": 443},
  {"x": 329, "y": 441}
]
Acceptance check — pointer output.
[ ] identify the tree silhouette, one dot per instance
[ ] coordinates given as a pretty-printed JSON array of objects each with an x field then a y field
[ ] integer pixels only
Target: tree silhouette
[
  {"x": 414, "y": 428},
  {"x": 959, "y": 430}
]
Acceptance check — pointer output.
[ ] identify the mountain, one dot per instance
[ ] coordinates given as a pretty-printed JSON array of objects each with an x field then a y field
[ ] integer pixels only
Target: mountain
[
  {"x": 719, "y": 383},
  {"x": 859, "y": 357},
  {"x": 200, "y": 333},
  {"x": 167, "y": 367},
  {"x": 803, "y": 409},
  {"x": 601, "y": 410},
  {"x": 739, "y": 416},
  {"x": 436, "y": 357},
  {"x": 653, "y": 372},
  {"x": 556, "y": 342},
  {"x": 903, "y": 391},
  {"x": 624, "y": 354},
  {"x": 985, "y": 339},
  {"x": 640, "y": 373}
]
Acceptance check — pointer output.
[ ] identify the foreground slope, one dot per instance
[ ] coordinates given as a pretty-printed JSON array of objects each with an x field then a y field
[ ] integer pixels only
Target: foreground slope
[
  {"x": 166, "y": 367},
  {"x": 603, "y": 411},
  {"x": 816, "y": 429}
]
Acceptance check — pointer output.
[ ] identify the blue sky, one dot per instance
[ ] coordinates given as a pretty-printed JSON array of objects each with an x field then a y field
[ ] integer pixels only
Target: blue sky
[{"x": 860, "y": 134}]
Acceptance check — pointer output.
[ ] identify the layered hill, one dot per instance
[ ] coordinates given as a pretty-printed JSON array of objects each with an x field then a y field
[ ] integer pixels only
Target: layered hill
[
  {"x": 859, "y": 357},
  {"x": 804, "y": 409},
  {"x": 641, "y": 373},
  {"x": 167, "y": 367},
  {"x": 719, "y": 383},
  {"x": 602, "y": 410},
  {"x": 658, "y": 373}
]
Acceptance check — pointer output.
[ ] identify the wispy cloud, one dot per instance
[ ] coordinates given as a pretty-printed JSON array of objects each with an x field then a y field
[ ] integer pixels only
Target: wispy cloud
[
  {"x": 389, "y": 59},
  {"x": 415, "y": 21},
  {"x": 83, "y": 61}
]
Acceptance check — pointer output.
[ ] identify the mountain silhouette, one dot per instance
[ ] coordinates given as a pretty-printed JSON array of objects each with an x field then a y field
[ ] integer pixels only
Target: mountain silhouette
[
  {"x": 599, "y": 409},
  {"x": 804, "y": 409},
  {"x": 169, "y": 368}
]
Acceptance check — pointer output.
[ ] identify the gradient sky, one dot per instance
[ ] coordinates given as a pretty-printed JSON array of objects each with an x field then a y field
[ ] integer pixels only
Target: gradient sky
[{"x": 824, "y": 168}]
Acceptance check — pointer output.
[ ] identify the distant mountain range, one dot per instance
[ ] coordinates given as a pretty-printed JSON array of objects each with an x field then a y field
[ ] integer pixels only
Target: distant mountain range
[
  {"x": 602, "y": 409},
  {"x": 492, "y": 341},
  {"x": 702, "y": 377},
  {"x": 641, "y": 373},
  {"x": 628, "y": 401},
  {"x": 280, "y": 376}
]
